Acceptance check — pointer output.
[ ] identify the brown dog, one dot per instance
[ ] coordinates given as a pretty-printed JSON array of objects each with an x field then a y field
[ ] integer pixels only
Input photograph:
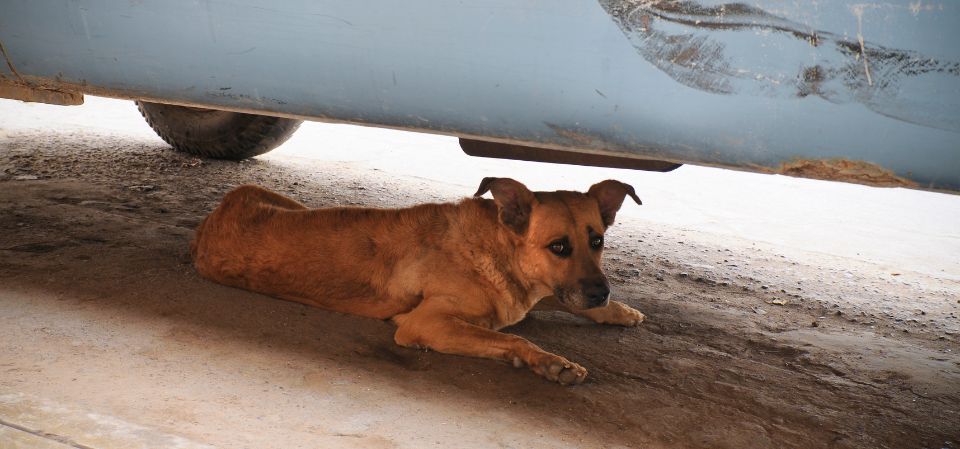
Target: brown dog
[{"x": 449, "y": 275}]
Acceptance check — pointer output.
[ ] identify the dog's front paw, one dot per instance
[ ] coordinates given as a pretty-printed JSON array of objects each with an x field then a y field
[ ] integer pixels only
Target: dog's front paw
[
  {"x": 616, "y": 313},
  {"x": 558, "y": 369},
  {"x": 629, "y": 317}
]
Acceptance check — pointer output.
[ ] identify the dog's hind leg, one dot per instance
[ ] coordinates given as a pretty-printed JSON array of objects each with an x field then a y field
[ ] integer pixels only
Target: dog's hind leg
[
  {"x": 614, "y": 312},
  {"x": 432, "y": 325}
]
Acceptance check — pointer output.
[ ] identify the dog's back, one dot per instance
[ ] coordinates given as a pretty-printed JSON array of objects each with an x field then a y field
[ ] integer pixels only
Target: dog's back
[{"x": 356, "y": 259}]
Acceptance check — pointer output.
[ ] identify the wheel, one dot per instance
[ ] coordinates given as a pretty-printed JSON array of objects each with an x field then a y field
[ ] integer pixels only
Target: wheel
[{"x": 217, "y": 134}]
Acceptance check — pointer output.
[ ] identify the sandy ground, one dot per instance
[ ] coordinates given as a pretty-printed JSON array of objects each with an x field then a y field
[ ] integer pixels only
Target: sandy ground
[{"x": 780, "y": 312}]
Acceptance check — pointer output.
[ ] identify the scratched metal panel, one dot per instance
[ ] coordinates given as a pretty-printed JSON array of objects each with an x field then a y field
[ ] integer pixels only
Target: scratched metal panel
[{"x": 765, "y": 85}]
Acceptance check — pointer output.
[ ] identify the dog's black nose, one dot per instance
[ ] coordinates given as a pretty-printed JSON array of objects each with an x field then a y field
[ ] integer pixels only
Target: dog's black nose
[{"x": 596, "y": 292}]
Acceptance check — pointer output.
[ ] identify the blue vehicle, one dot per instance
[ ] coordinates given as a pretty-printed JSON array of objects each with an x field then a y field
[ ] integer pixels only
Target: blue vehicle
[{"x": 840, "y": 90}]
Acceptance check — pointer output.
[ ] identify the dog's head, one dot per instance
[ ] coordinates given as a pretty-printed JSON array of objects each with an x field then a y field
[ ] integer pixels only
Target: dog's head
[{"x": 561, "y": 235}]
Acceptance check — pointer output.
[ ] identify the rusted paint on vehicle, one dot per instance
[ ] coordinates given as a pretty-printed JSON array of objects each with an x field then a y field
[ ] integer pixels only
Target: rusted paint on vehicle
[
  {"x": 19, "y": 89},
  {"x": 16, "y": 90},
  {"x": 858, "y": 172},
  {"x": 576, "y": 138}
]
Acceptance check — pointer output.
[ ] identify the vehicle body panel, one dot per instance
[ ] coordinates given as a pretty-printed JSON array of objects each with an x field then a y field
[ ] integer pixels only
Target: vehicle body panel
[{"x": 845, "y": 90}]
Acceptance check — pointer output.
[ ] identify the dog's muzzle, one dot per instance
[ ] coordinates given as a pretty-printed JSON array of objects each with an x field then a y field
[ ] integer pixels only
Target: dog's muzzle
[{"x": 596, "y": 292}]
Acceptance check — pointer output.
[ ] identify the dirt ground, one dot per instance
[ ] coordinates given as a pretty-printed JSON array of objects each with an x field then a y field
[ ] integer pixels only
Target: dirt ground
[{"x": 109, "y": 339}]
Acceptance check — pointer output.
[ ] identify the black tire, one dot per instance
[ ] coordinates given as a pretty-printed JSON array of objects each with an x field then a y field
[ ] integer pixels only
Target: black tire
[{"x": 217, "y": 134}]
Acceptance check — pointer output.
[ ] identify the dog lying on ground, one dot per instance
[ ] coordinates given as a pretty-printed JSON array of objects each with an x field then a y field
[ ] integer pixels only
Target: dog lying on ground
[{"x": 448, "y": 275}]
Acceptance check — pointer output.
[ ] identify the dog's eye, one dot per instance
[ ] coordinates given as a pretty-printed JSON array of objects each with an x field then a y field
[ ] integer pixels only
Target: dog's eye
[
  {"x": 596, "y": 242},
  {"x": 557, "y": 247},
  {"x": 560, "y": 248}
]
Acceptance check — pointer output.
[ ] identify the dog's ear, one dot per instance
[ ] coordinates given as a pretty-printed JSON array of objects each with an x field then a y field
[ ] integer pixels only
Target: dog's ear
[
  {"x": 609, "y": 195},
  {"x": 514, "y": 200}
]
